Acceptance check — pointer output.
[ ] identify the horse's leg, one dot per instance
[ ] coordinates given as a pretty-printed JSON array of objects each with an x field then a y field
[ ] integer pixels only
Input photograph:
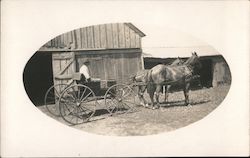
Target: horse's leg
[
  {"x": 157, "y": 94},
  {"x": 143, "y": 89},
  {"x": 186, "y": 91},
  {"x": 140, "y": 95},
  {"x": 166, "y": 93},
  {"x": 151, "y": 91}
]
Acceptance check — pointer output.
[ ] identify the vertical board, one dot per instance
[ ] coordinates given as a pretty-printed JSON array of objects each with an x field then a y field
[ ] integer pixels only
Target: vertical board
[
  {"x": 121, "y": 38},
  {"x": 127, "y": 36},
  {"x": 97, "y": 37},
  {"x": 56, "y": 42},
  {"x": 115, "y": 35},
  {"x": 132, "y": 38},
  {"x": 65, "y": 41},
  {"x": 62, "y": 41},
  {"x": 59, "y": 63},
  {"x": 56, "y": 67},
  {"x": 119, "y": 68},
  {"x": 90, "y": 37},
  {"x": 137, "y": 41},
  {"x": 103, "y": 36},
  {"x": 78, "y": 38},
  {"x": 84, "y": 37},
  {"x": 73, "y": 34},
  {"x": 110, "y": 67},
  {"x": 52, "y": 43},
  {"x": 69, "y": 36},
  {"x": 109, "y": 35}
]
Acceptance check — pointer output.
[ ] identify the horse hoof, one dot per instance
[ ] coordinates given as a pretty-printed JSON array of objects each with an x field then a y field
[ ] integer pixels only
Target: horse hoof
[
  {"x": 155, "y": 107},
  {"x": 188, "y": 105}
]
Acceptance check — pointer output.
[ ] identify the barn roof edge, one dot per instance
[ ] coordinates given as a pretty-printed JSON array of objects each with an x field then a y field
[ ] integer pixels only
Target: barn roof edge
[{"x": 133, "y": 27}]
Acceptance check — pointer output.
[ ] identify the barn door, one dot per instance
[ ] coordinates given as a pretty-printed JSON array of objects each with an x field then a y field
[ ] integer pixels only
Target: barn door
[{"x": 64, "y": 66}]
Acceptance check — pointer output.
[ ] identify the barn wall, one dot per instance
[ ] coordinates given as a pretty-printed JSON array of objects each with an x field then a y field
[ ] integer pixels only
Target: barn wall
[
  {"x": 114, "y": 35},
  {"x": 221, "y": 72},
  {"x": 117, "y": 66}
]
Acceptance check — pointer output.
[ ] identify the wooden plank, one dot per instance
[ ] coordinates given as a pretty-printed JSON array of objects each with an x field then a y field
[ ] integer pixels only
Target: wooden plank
[
  {"x": 53, "y": 43},
  {"x": 103, "y": 36},
  {"x": 97, "y": 37},
  {"x": 73, "y": 45},
  {"x": 137, "y": 41},
  {"x": 61, "y": 56},
  {"x": 62, "y": 45},
  {"x": 121, "y": 38},
  {"x": 127, "y": 36},
  {"x": 74, "y": 42},
  {"x": 64, "y": 77},
  {"x": 64, "y": 66},
  {"x": 73, "y": 65},
  {"x": 90, "y": 37},
  {"x": 106, "y": 68},
  {"x": 58, "y": 41},
  {"x": 84, "y": 38},
  {"x": 69, "y": 37},
  {"x": 78, "y": 38},
  {"x": 56, "y": 67},
  {"x": 132, "y": 38},
  {"x": 63, "y": 70},
  {"x": 65, "y": 40},
  {"x": 115, "y": 35},
  {"x": 109, "y": 36}
]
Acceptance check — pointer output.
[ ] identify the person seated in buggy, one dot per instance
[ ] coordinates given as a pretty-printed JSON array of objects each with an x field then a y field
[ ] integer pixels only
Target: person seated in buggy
[{"x": 85, "y": 73}]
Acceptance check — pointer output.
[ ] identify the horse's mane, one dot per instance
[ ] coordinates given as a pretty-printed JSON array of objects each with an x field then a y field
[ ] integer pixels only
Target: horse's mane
[{"x": 191, "y": 59}]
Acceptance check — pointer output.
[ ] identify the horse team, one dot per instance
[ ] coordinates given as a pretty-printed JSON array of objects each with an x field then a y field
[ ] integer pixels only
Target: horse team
[{"x": 179, "y": 73}]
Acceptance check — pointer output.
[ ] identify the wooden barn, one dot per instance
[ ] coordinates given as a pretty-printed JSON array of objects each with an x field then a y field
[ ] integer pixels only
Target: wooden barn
[
  {"x": 214, "y": 72},
  {"x": 114, "y": 51}
]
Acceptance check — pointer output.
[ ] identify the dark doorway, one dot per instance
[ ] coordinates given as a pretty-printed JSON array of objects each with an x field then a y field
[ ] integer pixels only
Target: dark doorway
[
  {"x": 38, "y": 76},
  {"x": 206, "y": 73}
]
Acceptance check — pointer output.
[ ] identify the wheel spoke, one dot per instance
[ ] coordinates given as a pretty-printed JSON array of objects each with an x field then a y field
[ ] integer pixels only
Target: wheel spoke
[
  {"x": 56, "y": 92},
  {"x": 113, "y": 93},
  {"x": 83, "y": 93},
  {"x": 85, "y": 97}
]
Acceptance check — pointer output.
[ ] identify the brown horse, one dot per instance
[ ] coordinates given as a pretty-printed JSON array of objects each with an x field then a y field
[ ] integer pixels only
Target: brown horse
[
  {"x": 142, "y": 77},
  {"x": 180, "y": 74},
  {"x": 176, "y": 62}
]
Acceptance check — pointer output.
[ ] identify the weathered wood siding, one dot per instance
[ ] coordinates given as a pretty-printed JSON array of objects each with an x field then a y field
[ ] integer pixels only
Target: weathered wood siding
[
  {"x": 115, "y": 66},
  {"x": 63, "y": 65},
  {"x": 221, "y": 72},
  {"x": 114, "y": 35},
  {"x": 114, "y": 51}
]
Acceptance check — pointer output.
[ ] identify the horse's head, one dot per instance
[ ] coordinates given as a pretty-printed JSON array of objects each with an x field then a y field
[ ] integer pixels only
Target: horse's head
[
  {"x": 194, "y": 61},
  {"x": 177, "y": 61}
]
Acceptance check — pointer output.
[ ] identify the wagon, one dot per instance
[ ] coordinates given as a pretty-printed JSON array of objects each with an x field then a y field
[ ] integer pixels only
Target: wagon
[{"x": 78, "y": 103}]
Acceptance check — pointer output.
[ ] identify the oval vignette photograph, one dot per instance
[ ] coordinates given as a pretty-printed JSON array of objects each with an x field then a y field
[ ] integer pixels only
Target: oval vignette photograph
[{"x": 126, "y": 79}]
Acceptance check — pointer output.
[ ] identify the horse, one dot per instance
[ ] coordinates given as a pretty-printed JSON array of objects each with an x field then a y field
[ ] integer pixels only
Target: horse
[
  {"x": 180, "y": 74},
  {"x": 176, "y": 62},
  {"x": 142, "y": 77}
]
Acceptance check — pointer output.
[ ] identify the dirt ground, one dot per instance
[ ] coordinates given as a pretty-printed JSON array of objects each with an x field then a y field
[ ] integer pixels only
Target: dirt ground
[{"x": 147, "y": 121}]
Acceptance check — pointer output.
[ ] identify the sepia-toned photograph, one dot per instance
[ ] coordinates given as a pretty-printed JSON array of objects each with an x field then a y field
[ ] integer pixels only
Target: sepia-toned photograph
[
  {"x": 102, "y": 79},
  {"x": 124, "y": 78}
]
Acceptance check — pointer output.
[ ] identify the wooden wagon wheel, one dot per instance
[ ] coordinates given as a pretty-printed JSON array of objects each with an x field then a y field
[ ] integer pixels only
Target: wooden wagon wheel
[
  {"x": 77, "y": 104},
  {"x": 120, "y": 98},
  {"x": 51, "y": 99}
]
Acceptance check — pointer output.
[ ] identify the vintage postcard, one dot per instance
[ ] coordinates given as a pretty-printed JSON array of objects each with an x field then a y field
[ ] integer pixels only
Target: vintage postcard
[{"x": 124, "y": 78}]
